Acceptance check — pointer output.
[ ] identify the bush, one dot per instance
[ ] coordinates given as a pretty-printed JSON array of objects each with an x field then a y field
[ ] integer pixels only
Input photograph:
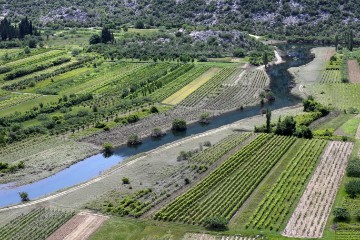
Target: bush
[
  {"x": 341, "y": 214},
  {"x": 357, "y": 215},
  {"x": 216, "y": 223},
  {"x": 24, "y": 196},
  {"x": 353, "y": 188},
  {"x": 156, "y": 133},
  {"x": 99, "y": 125},
  {"x": 205, "y": 118},
  {"x": 133, "y": 139},
  {"x": 125, "y": 180},
  {"x": 353, "y": 168},
  {"x": 179, "y": 125},
  {"x": 154, "y": 109},
  {"x": 108, "y": 148},
  {"x": 187, "y": 181}
]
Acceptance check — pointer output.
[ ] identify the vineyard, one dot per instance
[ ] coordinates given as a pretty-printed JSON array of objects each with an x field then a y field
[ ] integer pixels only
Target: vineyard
[
  {"x": 275, "y": 207},
  {"x": 224, "y": 190},
  {"x": 311, "y": 214},
  {"x": 245, "y": 91},
  {"x": 210, "y": 155},
  {"x": 331, "y": 76},
  {"x": 37, "y": 224}
]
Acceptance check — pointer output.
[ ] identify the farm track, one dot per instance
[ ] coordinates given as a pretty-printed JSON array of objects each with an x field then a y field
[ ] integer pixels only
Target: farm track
[
  {"x": 310, "y": 216},
  {"x": 199, "y": 236},
  {"x": 79, "y": 227}
]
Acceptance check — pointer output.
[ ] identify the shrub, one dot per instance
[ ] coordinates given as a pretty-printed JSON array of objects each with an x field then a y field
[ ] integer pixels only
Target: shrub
[
  {"x": 99, "y": 125},
  {"x": 353, "y": 168},
  {"x": 357, "y": 215},
  {"x": 353, "y": 188},
  {"x": 154, "y": 109},
  {"x": 125, "y": 180},
  {"x": 133, "y": 118},
  {"x": 108, "y": 148},
  {"x": 341, "y": 214},
  {"x": 133, "y": 139},
  {"x": 187, "y": 181},
  {"x": 179, "y": 125},
  {"x": 24, "y": 196},
  {"x": 156, "y": 132},
  {"x": 205, "y": 118},
  {"x": 207, "y": 144},
  {"x": 216, "y": 223}
]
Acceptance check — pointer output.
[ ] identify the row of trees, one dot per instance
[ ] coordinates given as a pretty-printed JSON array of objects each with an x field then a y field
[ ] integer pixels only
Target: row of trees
[{"x": 9, "y": 31}]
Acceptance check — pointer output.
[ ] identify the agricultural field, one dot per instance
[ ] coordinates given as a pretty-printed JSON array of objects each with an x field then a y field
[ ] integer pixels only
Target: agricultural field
[
  {"x": 80, "y": 226},
  {"x": 354, "y": 71},
  {"x": 37, "y": 224},
  {"x": 273, "y": 211},
  {"x": 341, "y": 96},
  {"x": 226, "y": 185},
  {"x": 312, "y": 212}
]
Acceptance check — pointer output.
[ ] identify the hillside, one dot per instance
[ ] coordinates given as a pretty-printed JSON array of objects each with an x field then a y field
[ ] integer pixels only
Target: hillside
[{"x": 305, "y": 17}]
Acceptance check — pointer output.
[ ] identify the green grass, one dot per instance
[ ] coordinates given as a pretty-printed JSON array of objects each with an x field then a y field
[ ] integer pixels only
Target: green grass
[
  {"x": 350, "y": 127},
  {"x": 130, "y": 229},
  {"x": 334, "y": 122},
  {"x": 341, "y": 96}
]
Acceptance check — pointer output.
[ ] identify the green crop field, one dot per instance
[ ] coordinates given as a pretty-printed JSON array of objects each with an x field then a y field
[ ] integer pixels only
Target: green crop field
[
  {"x": 38, "y": 224},
  {"x": 224, "y": 191}
]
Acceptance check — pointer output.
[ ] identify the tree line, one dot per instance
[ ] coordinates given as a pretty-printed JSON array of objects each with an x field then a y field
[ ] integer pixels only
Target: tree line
[{"x": 9, "y": 31}]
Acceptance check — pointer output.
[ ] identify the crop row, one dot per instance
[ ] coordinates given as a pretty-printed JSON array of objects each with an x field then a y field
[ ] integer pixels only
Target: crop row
[
  {"x": 71, "y": 83},
  {"x": 234, "y": 78},
  {"x": 178, "y": 82},
  {"x": 208, "y": 89},
  {"x": 34, "y": 59},
  {"x": 37, "y": 224},
  {"x": 331, "y": 76},
  {"x": 30, "y": 81},
  {"x": 274, "y": 208},
  {"x": 212, "y": 154},
  {"x": 16, "y": 99},
  {"x": 224, "y": 191},
  {"x": 313, "y": 209},
  {"x": 246, "y": 92}
]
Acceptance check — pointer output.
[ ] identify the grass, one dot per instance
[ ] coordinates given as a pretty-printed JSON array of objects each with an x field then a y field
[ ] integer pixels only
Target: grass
[
  {"x": 191, "y": 87},
  {"x": 335, "y": 123},
  {"x": 341, "y": 96},
  {"x": 130, "y": 229},
  {"x": 350, "y": 127}
]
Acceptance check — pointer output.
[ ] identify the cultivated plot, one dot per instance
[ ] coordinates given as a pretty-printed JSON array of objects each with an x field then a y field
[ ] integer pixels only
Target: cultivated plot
[
  {"x": 354, "y": 71},
  {"x": 311, "y": 214},
  {"x": 79, "y": 227}
]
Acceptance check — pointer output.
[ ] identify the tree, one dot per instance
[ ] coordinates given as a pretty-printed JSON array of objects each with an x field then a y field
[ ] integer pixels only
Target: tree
[
  {"x": 353, "y": 168},
  {"x": 108, "y": 149},
  {"x": 205, "y": 118},
  {"x": 156, "y": 133},
  {"x": 94, "y": 39},
  {"x": 336, "y": 42},
  {"x": 268, "y": 120},
  {"x": 341, "y": 214},
  {"x": 353, "y": 188},
  {"x": 24, "y": 196},
  {"x": 216, "y": 223},
  {"x": 179, "y": 125},
  {"x": 265, "y": 59},
  {"x": 125, "y": 180},
  {"x": 139, "y": 25},
  {"x": 106, "y": 35},
  {"x": 287, "y": 127}
]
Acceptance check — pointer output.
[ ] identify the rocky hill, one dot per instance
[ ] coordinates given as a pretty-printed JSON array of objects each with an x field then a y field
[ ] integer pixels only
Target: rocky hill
[{"x": 286, "y": 17}]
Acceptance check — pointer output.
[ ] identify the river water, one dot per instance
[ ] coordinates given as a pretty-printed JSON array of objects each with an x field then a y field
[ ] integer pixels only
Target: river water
[{"x": 93, "y": 166}]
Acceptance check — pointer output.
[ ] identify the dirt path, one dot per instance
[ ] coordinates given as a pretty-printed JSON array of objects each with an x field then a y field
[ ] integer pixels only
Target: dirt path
[
  {"x": 203, "y": 236},
  {"x": 357, "y": 136},
  {"x": 79, "y": 227},
  {"x": 354, "y": 71}
]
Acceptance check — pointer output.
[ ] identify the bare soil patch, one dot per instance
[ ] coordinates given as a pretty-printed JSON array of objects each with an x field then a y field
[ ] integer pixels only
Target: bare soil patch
[
  {"x": 354, "y": 71},
  {"x": 311, "y": 214},
  {"x": 79, "y": 227},
  {"x": 202, "y": 236}
]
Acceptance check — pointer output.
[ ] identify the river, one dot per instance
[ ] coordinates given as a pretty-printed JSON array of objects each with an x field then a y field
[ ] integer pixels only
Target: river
[{"x": 93, "y": 166}]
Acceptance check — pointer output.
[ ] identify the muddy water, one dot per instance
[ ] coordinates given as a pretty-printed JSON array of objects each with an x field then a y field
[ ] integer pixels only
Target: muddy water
[{"x": 93, "y": 166}]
